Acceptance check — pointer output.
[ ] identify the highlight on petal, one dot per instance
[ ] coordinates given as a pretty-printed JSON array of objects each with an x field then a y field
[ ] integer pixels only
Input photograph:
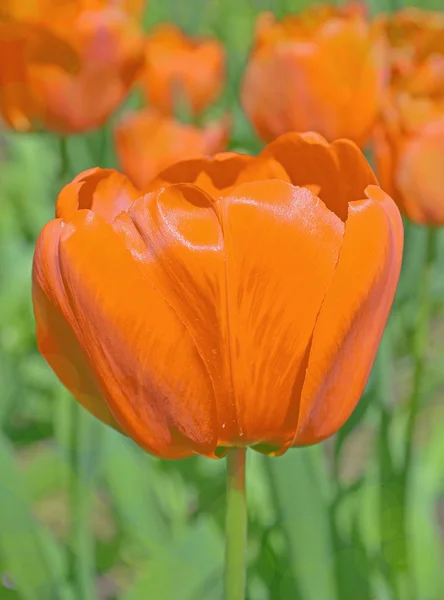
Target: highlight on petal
[
  {"x": 104, "y": 191},
  {"x": 355, "y": 308}
]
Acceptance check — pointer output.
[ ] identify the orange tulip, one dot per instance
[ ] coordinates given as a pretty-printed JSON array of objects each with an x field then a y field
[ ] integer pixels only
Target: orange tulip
[
  {"x": 46, "y": 10},
  {"x": 147, "y": 143},
  {"x": 67, "y": 79},
  {"x": 242, "y": 306},
  {"x": 182, "y": 72},
  {"x": 323, "y": 70},
  {"x": 409, "y": 138}
]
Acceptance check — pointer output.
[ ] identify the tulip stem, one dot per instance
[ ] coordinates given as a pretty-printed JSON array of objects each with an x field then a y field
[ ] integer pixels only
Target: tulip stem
[
  {"x": 236, "y": 526},
  {"x": 419, "y": 350},
  {"x": 420, "y": 340},
  {"x": 64, "y": 160},
  {"x": 84, "y": 455}
]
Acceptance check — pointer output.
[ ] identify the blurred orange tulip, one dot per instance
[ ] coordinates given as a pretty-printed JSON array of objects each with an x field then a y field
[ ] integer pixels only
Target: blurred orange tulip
[
  {"x": 67, "y": 78},
  {"x": 409, "y": 138},
  {"x": 47, "y": 10},
  {"x": 147, "y": 143},
  {"x": 182, "y": 72},
  {"x": 242, "y": 306},
  {"x": 323, "y": 70}
]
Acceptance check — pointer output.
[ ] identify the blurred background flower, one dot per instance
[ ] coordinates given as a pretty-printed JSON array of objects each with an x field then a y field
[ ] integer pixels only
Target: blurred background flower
[
  {"x": 67, "y": 72},
  {"x": 408, "y": 139},
  {"x": 182, "y": 73},
  {"x": 37, "y": 10},
  {"x": 323, "y": 70},
  {"x": 147, "y": 143}
]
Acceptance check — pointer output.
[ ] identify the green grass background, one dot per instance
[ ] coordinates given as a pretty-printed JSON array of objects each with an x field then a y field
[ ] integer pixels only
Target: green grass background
[{"x": 86, "y": 515}]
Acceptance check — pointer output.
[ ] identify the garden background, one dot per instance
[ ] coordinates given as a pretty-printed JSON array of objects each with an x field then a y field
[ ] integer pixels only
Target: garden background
[{"x": 95, "y": 518}]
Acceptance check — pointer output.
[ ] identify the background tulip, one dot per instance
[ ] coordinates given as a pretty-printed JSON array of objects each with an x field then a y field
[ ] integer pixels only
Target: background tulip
[
  {"x": 147, "y": 143},
  {"x": 322, "y": 70},
  {"x": 67, "y": 79},
  {"x": 407, "y": 138},
  {"x": 195, "y": 322},
  {"x": 47, "y": 10},
  {"x": 182, "y": 72}
]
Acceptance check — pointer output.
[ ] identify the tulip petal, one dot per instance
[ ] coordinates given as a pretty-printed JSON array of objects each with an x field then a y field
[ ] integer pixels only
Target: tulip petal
[
  {"x": 356, "y": 173},
  {"x": 352, "y": 317},
  {"x": 104, "y": 191},
  {"x": 147, "y": 364},
  {"x": 184, "y": 258},
  {"x": 57, "y": 332},
  {"x": 281, "y": 245},
  {"x": 307, "y": 160},
  {"x": 215, "y": 175}
]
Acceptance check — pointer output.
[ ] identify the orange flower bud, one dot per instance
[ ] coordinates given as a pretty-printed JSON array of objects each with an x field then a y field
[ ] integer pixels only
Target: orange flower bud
[
  {"x": 147, "y": 143},
  {"x": 67, "y": 78},
  {"x": 409, "y": 138},
  {"x": 236, "y": 308},
  {"x": 323, "y": 70},
  {"x": 182, "y": 72}
]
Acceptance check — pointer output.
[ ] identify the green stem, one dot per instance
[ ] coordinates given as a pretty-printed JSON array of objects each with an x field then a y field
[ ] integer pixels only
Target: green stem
[
  {"x": 419, "y": 350},
  {"x": 84, "y": 450},
  {"x": 236, "y": 526},
  {"x": 65, "y": 166},
  {"x": 420, "y": 343}
]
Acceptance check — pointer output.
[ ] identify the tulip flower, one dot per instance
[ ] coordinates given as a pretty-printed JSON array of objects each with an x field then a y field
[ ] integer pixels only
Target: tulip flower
[
  {"x": 182, "y": 72},
  {"x": 35, "y": 10},
  {"x": 420, "y": 177},
  {"x": 67, "y": 78},
  {"x": 147, "y": 143},
  {"x": 409, "y": 137},
  {"x": 323, "y": 70},
  {"x": 238, "y": 303}
]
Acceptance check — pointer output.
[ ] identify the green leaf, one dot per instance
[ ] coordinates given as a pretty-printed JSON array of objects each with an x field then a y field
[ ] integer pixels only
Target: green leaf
[
  {"x": 189, "y": 569},
  {"x": 44, "y": 471},
  {"x": 426, "y": 544},
  {"x": 353, "y": 562},
  {"x": 29, "y": 555},
  {"x": 129, "y": 474},
  {"x": 298, "y": 481}
]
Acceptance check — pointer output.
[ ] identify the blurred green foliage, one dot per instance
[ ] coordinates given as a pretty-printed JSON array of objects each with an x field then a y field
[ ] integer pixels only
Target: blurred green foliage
[{"x": 86, "y": 515}]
